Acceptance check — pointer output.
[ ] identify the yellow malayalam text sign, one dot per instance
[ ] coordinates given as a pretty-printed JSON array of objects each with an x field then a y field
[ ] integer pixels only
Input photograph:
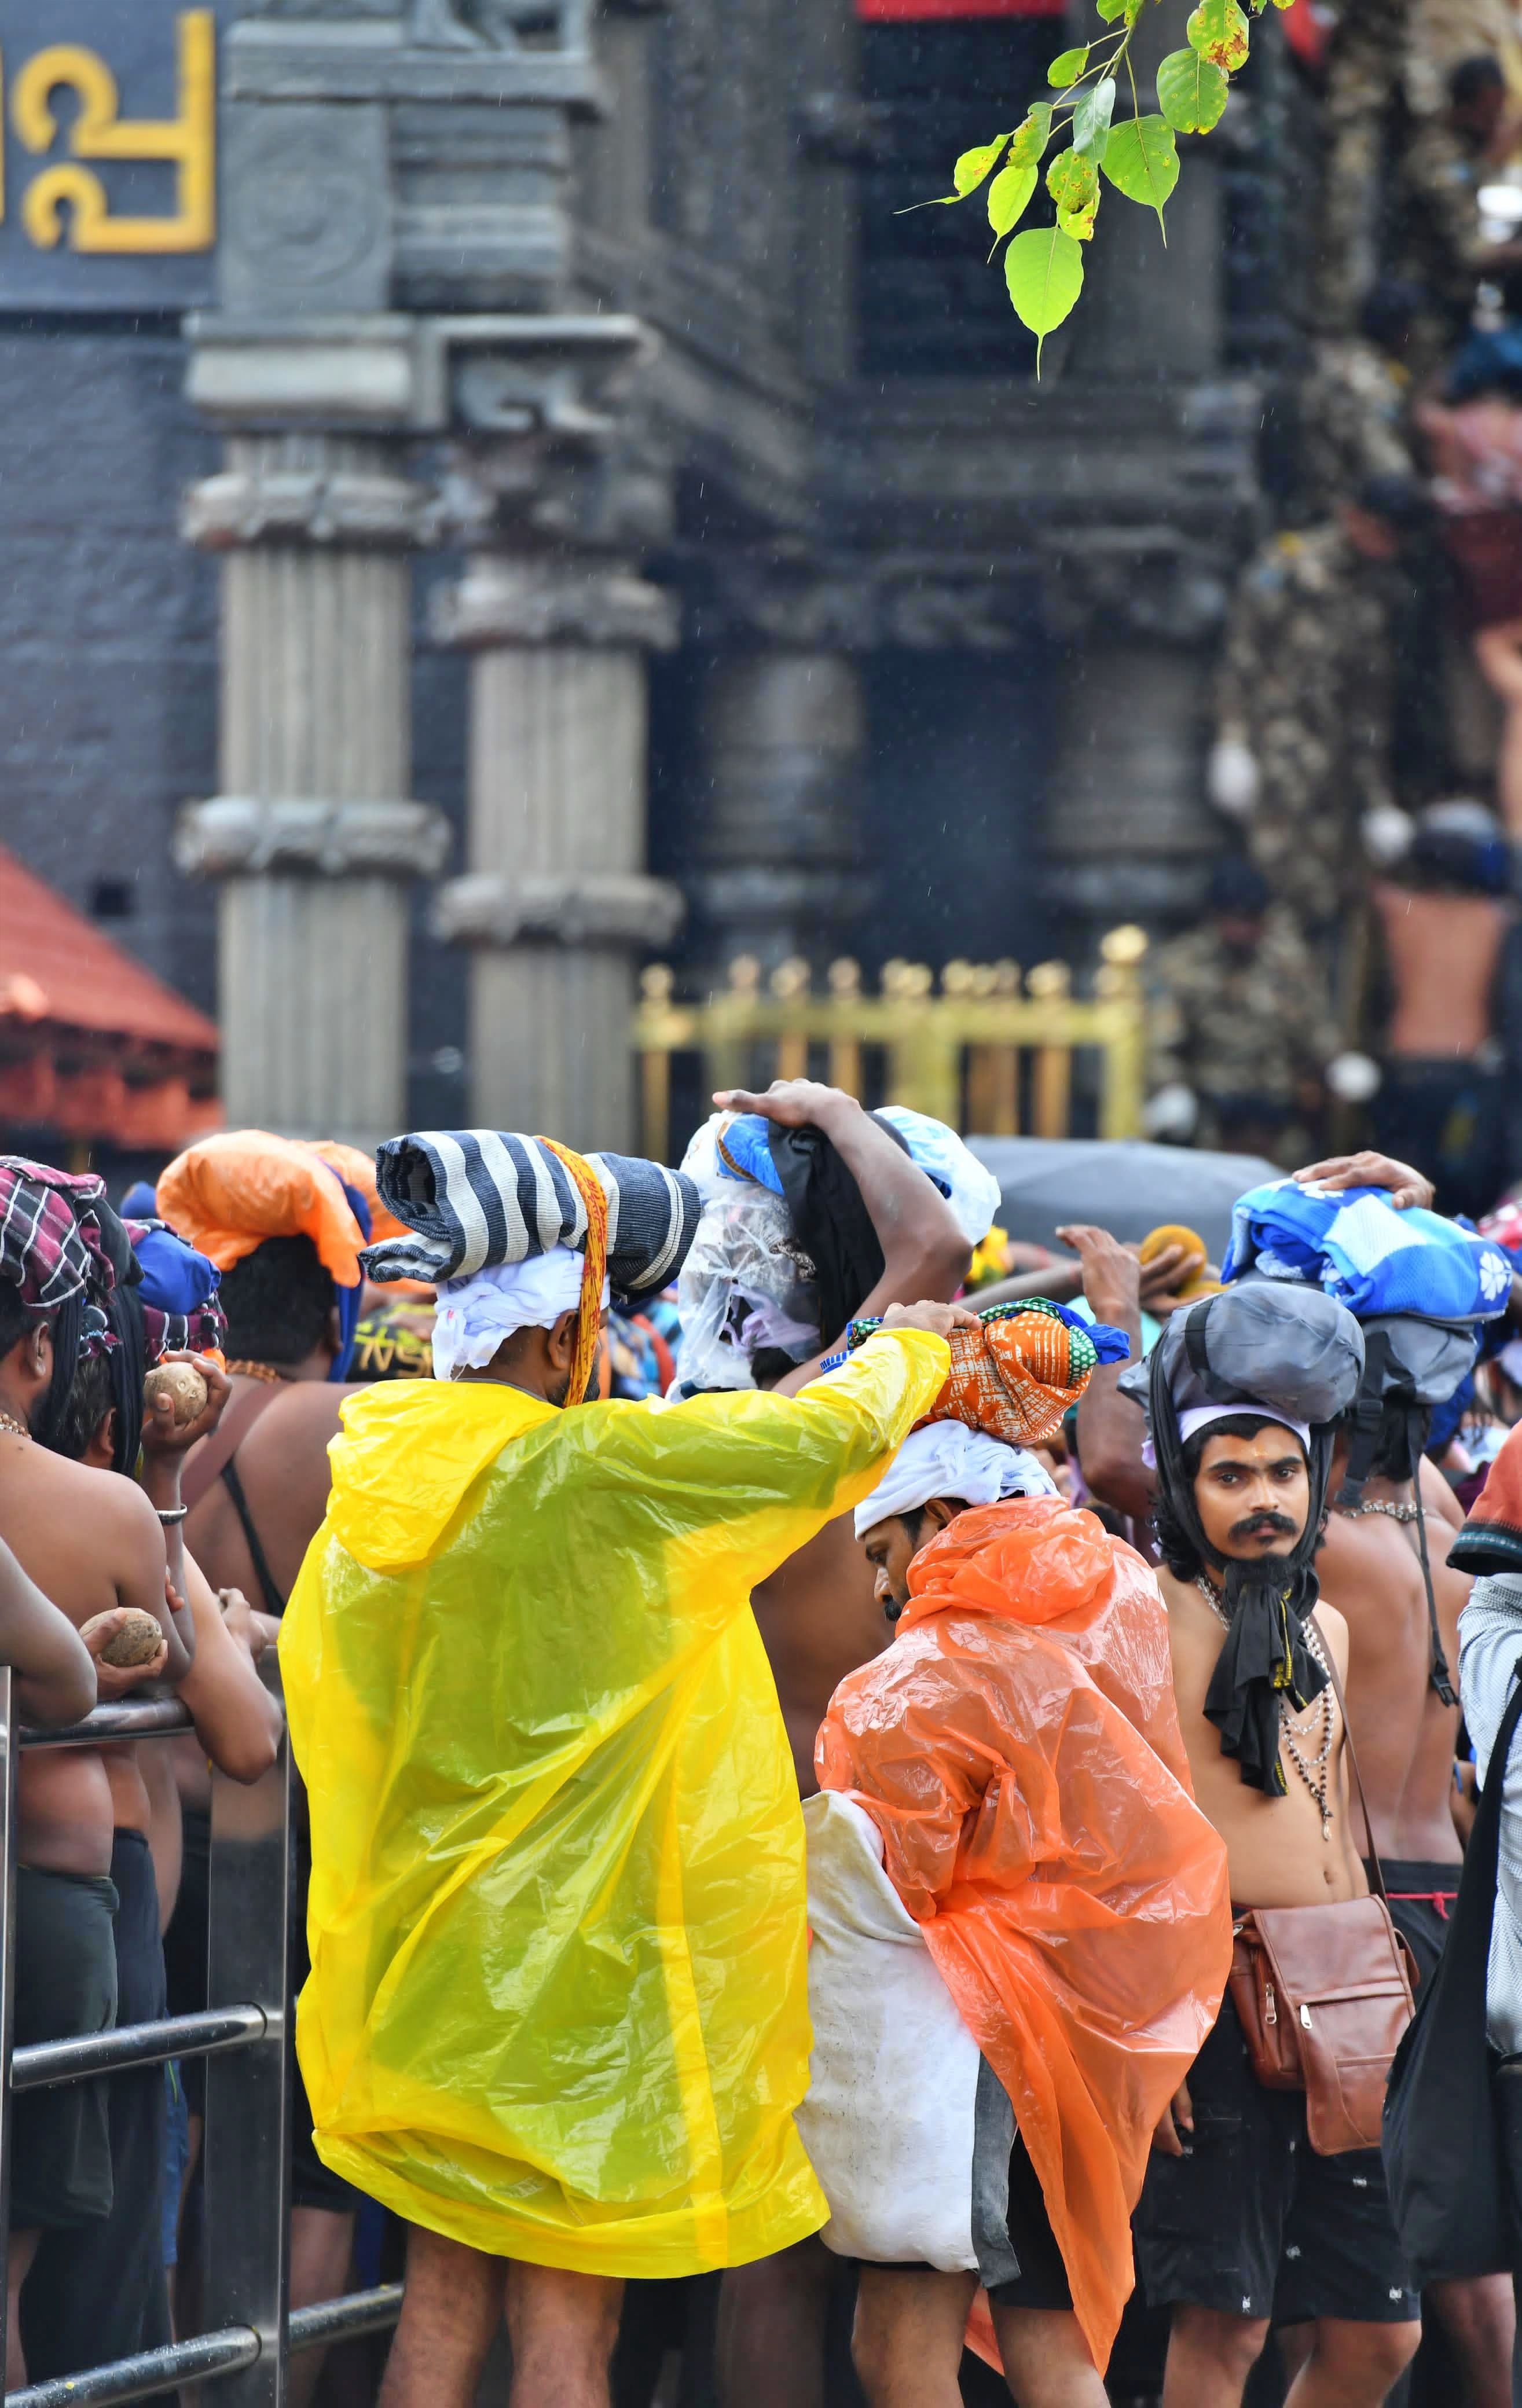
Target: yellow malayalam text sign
[{"x": 108, "y": 154}]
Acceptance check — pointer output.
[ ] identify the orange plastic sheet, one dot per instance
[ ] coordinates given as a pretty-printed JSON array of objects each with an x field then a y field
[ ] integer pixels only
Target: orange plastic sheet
[
  {"x": 1018, "y": 1748},
  {"x": 230, "y": 1192}
]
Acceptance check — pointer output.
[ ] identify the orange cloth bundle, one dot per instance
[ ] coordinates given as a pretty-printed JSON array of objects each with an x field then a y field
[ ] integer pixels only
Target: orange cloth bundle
[
  {"x": 1015, "y": 1375},
  {"x": 229, "y": 1194},
  {"x": 1018, "y": 1748},
  {"x": 357, "y": 1170}
]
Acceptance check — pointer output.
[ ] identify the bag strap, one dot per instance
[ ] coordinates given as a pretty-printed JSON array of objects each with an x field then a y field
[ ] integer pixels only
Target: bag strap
[
  {"x": 204, "y": 1464},
  {"x": 1438, "y": 1673},
  {"x": 1372, "y": 1856}
]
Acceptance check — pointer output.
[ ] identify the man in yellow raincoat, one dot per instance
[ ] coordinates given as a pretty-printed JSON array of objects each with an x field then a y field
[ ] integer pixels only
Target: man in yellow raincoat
[{"x": 557, "y": 2009}]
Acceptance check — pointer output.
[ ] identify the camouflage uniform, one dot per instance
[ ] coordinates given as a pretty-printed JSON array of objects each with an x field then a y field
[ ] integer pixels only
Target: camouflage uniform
[
  {"x": 1363, "y": 71},
  {"x": 1245, "y": 1031},
  {"x": 1306, "y": 682},
  {"x": 1353, "y": 408}
]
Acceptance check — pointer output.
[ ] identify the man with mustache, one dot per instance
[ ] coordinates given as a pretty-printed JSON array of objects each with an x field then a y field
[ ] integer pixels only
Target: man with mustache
[{"x": 1240, "y": 2226}]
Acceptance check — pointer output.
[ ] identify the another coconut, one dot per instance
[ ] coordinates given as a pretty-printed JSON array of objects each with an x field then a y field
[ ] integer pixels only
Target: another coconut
[
  {"x": 137, "y": 1642},
  {"x": 182, "y": 1384}
]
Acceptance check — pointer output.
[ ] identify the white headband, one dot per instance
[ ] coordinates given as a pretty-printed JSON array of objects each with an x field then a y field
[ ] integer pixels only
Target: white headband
[
  {"x": 948, "y": 1459},
  {"x": 475, "y": 1313},
  {"x": 1196, "y": 1417}
]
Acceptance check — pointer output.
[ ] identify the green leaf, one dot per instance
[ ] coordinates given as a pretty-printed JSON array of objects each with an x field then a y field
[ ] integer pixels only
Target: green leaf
[
  {"x": 1141, "y": 159},
  {"x": 1072, "y": 181},
  {"x": 1191, "y": 91},
  {"x": 1067, "y": 66},
  {"x": 1092, "y": 112},
  {"x": 973, "y": 165},
  {"x": 1129, "y": 10},
  {"x": 1030, "y": 137},
  {"x": 1080, "y": 222},
  {"x": 1010, "y": 189},
  {"x": 1044, "y": 272},
  {"x": 1218, "y": 31}
]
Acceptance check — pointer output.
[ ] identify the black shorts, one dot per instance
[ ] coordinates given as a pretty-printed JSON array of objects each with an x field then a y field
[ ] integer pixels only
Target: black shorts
[
  {"x": 1018, "y": 2258},
  {"x": 1421, "y": 1908},
  {"x": 185, "y": 1941},
  {"x": 65, "y": 1985},
  {"x": 1250, "y": 2222}
]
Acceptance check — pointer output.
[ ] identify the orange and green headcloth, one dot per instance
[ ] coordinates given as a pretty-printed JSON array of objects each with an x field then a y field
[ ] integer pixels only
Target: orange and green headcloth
[{"x": 1016, "y": 1374}]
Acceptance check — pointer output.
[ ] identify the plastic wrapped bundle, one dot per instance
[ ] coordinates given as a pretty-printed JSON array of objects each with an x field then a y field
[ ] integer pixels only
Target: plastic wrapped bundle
[
  {"x": 746, "y": 1287},
  {"x": 1017, "y": 1749}
]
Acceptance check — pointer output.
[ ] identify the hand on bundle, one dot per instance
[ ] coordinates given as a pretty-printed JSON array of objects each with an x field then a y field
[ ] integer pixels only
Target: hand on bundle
[
  {"x": 939, "y": 1319},
  {"x": 1407, "y": 1186}
]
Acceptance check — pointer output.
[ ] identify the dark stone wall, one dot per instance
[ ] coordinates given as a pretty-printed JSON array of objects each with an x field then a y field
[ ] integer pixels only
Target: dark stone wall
[
  {"x": 108, "y": 663},
  {"x": 107, "y": 633}
]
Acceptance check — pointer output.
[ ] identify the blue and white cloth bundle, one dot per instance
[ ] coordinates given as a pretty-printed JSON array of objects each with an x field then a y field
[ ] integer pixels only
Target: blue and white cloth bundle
[{"x": 1357, "y": 1248}]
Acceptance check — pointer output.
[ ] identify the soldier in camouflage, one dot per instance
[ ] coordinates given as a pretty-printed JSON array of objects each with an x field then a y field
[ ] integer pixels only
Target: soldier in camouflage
[
  {"x": 1354, "y": 404},
  {"x": 1239, "y": 1028},
  {"x": 1304, "y": 701}
]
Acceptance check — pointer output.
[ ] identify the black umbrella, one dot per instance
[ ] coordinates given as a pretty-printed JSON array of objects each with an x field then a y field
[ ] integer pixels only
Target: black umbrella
[{"x": 1125, "y": 1185}]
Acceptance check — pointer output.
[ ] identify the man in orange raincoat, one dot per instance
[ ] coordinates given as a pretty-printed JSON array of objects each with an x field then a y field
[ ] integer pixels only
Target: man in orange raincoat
[{"x": 1011, "y": 1774}]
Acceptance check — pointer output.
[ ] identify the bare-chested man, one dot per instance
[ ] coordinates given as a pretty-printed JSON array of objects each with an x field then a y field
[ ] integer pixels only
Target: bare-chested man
[
  {"x": 96, "y": 1547},
  {"x": 281, "y": 1229},
  {"x": 1242, "y": 2225},
  {"x": 1370, "y": 1565},
  {"x": 819, "y": 1618}
]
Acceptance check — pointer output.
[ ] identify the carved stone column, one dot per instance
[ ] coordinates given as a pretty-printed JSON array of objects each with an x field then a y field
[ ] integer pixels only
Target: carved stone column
[
  {"x": 555, "y": 494},
  {"x": 313, "y": 835},
  {"x": 1128, "y": 833},
  {"x": 776, "y": 850}
]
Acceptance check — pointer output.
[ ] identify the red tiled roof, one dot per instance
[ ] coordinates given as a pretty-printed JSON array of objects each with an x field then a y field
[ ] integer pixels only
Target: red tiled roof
[{"x": 55, "y": 966}]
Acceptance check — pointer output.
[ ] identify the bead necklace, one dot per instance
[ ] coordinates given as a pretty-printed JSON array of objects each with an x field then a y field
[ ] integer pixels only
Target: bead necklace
[
  {"x": 265, "y": 1372},
  {"x": 8, "y": 1422},
  {"x": 1317, "y": 1772},
  {"x": 1379, "y": 1505}
]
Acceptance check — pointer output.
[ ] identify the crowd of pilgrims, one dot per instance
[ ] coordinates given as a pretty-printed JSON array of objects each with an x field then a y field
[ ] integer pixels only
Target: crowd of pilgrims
[{"x": 640, "y": 1546}]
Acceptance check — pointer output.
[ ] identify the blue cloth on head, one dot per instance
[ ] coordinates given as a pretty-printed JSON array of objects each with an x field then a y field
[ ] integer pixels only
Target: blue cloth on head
[
  {"x": 175, "y": 1277},
  {"x": 139, "y": 1203},
  {"x": 747, "y": 1142},
  {"x": 348, "y": 1299},
  {"x": 1111, "y": 1345},
  {"x": 1357, "y": 1248},
  {"x": 1448, "y": 1416}
]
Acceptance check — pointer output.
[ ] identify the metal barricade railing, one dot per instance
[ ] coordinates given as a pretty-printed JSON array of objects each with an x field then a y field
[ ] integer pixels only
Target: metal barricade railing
[
  {"x": 992, "y": 1053},
  {"x": 251, "y": 2329}
]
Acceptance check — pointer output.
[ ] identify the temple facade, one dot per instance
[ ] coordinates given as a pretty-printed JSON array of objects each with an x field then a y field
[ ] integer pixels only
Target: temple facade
[{"x": 499, "y": 494}]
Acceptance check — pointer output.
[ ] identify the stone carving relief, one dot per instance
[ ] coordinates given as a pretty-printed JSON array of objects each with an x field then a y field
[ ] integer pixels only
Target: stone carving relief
[{"x": 498, "y": 25}]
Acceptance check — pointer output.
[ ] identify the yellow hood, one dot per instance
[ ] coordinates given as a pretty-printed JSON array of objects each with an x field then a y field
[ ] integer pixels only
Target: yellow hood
[{"x": 407, "y": 1451}]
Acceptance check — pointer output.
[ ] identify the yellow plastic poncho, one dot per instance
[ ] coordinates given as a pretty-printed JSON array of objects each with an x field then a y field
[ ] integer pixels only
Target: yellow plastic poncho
[{"x": 557, "y": 2008}]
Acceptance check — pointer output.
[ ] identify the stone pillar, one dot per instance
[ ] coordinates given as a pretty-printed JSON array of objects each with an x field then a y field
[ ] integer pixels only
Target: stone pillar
[
  {"x": 777, "y": 844},
  {"x": 555, "y": 904},
  {"x": 313, "y": 835},
  {"x": 1128, "y": 833}
]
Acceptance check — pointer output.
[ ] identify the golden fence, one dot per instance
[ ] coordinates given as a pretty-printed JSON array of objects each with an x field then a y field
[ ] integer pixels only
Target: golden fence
[{"x": 957, "y": 1054}]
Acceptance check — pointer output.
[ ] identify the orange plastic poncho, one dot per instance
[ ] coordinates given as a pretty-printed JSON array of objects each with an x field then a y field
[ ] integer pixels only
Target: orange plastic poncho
[
  {"x": 1018, "y": 1748},
  {"x": 229, "y": 1194}
]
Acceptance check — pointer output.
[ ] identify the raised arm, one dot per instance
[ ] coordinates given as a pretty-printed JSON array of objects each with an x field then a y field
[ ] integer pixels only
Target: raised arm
[
  {"x": 55, "y": 1679},
  {"x": 924, "y": 1253},
  {"x": 238, "y": 1722},
  {"x": 1110, "y": 1427}
]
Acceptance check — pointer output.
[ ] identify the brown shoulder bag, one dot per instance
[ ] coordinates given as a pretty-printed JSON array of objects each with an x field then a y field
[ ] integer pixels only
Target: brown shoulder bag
[{"x": 1322, "y": 1994}]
